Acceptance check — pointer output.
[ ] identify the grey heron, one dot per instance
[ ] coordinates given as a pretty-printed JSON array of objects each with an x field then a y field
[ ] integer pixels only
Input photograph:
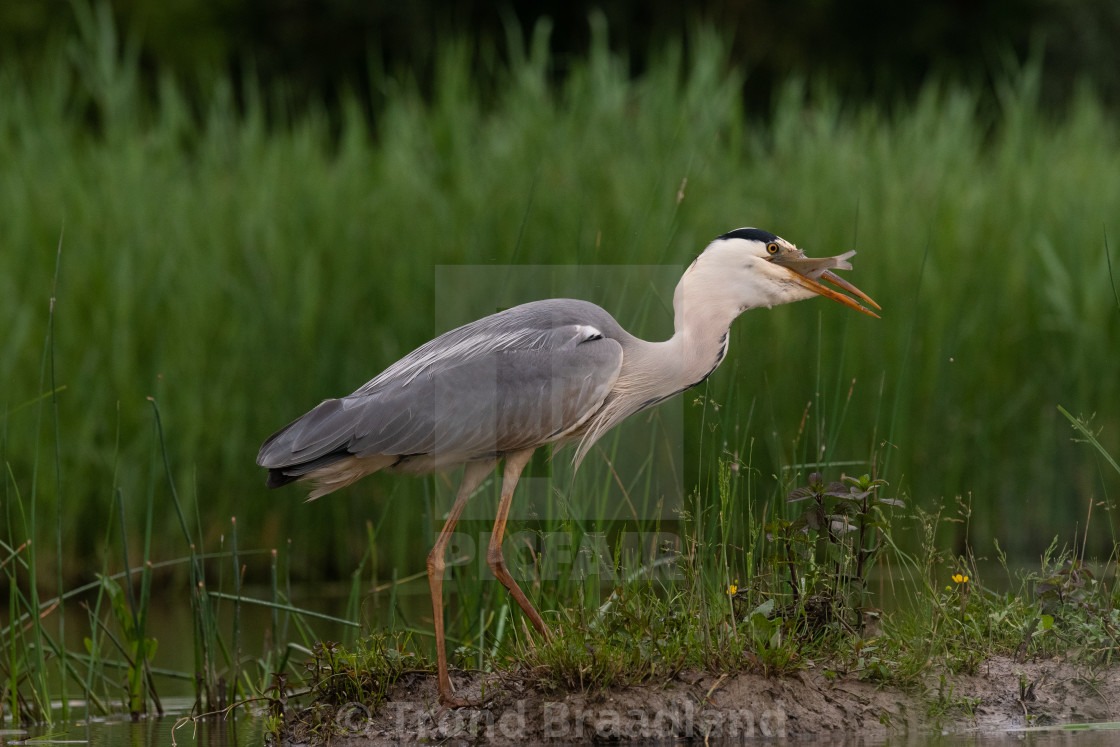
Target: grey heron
[{"x": 545, "y": 372}]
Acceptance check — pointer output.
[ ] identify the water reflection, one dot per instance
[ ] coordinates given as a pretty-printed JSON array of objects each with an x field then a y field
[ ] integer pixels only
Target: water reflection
[
  {"x": 247, "y": 730},
  {"x": 242, "y": 731},
  {"x": 1041, "y": 738}
]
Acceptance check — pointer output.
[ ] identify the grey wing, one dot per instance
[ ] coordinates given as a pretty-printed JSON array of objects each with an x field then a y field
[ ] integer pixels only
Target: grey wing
[{"x": 481, "y": 390}]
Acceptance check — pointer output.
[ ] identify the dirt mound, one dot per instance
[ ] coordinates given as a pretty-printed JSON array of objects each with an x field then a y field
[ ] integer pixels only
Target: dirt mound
[{"x": 1002, "y": 694}]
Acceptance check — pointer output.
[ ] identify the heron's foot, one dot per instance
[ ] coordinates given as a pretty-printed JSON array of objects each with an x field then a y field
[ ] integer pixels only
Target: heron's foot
[{"x": 449, "y": 700}]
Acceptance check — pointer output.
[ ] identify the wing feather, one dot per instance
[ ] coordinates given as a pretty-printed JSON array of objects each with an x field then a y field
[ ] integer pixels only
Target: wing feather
[{"x": 517, "y": 379}]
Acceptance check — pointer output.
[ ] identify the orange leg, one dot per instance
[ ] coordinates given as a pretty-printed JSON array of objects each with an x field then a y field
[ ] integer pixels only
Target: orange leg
[
  {"x": 473, "y": 475},
  {"x": 515, "y": 462}
]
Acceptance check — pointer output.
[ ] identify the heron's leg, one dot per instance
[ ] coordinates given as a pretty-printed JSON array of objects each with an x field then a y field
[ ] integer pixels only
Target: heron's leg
[
  {"x": 473, "y": 475},
  {"x": 515, "y": 462}
]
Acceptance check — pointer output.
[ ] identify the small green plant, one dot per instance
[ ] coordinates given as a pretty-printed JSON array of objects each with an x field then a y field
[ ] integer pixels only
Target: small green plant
[
  {"x": 1071, "y": 583},
  {"x": 773, "y": 646},
  {"x": 947, "y": 703},
  {"x": 827, "y": 550},
  {"x": 869, "y": 661},
  {"x": 1075, "y": 613},
  {"x": 138, "y": 649},
  {"x": 340, "y": 679}
]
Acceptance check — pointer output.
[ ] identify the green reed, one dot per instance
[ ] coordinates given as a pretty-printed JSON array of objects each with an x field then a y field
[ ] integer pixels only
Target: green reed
[
  {"x": 255, "y": 262},
  {"x": 39, "y": 665}
]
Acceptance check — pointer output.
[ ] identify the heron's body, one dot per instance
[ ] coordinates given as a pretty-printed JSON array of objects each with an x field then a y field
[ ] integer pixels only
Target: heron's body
[
  {"x": 438, "y": 407},
  {"x": 544, "y": 372}
]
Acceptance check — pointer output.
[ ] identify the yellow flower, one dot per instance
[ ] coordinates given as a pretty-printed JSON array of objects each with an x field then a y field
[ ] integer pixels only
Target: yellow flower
[
  {"x": 960, "y": 578},
  {"x": 732, "y": 589}
]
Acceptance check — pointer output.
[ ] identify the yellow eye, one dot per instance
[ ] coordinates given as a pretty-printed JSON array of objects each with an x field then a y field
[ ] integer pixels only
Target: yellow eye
[{"x": 772, "y": 248}]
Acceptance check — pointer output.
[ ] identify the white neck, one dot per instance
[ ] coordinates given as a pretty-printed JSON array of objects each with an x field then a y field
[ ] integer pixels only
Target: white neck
[
  {"x": 728, "y": 278},
  {"x": 704, "y": 307}
]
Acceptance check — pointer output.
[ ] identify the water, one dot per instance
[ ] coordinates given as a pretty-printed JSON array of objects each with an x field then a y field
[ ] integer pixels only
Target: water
[
  {"x": 247, "y": 729},
  {"x": 1050, "y": 737},
  {"x": 250, "y": 731},
  {"x": 243, "y": 729}
]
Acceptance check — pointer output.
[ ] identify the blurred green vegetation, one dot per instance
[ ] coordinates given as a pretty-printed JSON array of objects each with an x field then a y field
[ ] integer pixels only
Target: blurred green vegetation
[
  {"x": 328, "y": 50},
  {"x": 241, "y": 260}
]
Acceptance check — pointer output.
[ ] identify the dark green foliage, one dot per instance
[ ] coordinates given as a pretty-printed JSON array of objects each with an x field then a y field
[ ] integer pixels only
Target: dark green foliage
[{"x": 841, "y": 528}]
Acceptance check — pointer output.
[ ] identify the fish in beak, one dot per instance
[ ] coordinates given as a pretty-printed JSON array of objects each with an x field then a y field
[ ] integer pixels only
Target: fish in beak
[{"x": 809, "y": 271}]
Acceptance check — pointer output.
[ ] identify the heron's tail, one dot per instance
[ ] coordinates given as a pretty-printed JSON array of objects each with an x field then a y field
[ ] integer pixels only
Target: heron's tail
[{"x": 278, "y": 479}]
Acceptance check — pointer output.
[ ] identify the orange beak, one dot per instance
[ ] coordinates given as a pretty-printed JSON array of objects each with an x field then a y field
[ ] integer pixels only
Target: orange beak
[
  {"x": 839, "y": 282},
  {"x": 805, "y": 270}
]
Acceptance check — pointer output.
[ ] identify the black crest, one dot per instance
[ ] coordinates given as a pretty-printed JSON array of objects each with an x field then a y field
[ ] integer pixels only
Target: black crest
[{"x": 750, "y": 234}]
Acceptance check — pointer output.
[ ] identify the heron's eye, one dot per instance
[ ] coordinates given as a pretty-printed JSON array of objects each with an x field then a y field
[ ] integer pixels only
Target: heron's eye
[{"x": 771, "y": 248}]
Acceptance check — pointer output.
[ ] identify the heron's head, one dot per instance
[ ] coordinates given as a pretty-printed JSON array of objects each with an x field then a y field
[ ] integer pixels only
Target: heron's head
[{"x": 753, "y": 268}]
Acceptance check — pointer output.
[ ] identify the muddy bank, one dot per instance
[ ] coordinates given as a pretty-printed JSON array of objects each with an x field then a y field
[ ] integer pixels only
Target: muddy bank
[{"x": 1001, "y": 694}]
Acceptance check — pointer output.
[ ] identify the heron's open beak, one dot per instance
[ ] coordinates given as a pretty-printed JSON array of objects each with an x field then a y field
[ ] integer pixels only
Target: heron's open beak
[{"x": 805, "y": 271}]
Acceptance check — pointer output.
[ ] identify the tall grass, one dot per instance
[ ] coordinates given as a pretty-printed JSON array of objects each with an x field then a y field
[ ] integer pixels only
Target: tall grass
[
  {"x": 38, "y": 660},
  {"x": 245, "y": 261}
]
